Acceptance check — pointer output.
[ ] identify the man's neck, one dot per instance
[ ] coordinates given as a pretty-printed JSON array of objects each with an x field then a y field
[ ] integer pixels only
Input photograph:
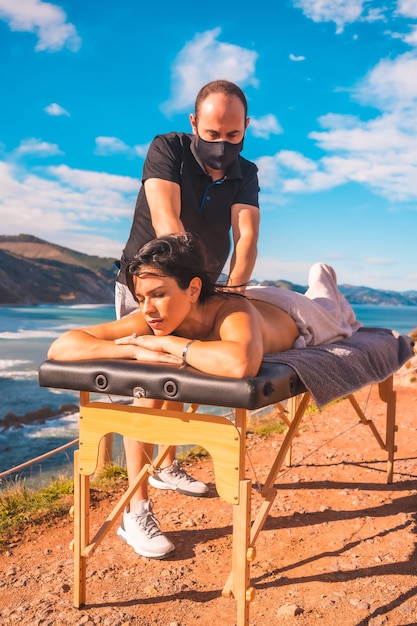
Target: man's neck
[{"x": 215, "y": 174}]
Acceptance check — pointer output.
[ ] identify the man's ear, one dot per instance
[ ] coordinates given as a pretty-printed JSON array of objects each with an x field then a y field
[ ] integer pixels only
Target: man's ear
[
  {"x": 193, "y": 122},
  {"x": 247, "y": 122},
  {"x": 195, "y": 288}
]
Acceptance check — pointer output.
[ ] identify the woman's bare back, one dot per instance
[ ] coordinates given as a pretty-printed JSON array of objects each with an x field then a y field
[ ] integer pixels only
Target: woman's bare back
[{"x": 278, "y": 329}]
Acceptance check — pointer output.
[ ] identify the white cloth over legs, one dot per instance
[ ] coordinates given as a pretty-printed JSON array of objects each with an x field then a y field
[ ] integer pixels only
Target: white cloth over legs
[{"x": 323, "y": 315}]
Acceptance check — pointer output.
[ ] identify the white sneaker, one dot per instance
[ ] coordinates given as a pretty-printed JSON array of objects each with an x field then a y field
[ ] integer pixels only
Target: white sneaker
[
  {"x": 177, "y": 479},
  {"x": 140, "y": 530}
]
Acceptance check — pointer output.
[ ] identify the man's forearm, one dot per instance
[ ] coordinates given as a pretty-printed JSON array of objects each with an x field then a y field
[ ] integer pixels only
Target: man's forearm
[
  {"x": 242, "y": 264},
  {"x": 167, "y": 225}
]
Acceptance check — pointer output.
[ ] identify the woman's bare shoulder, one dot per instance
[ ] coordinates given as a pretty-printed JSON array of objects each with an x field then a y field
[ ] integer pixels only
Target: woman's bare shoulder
[
  {"x": 228, "y": 304},
  {"x": 233, "y": 302}
]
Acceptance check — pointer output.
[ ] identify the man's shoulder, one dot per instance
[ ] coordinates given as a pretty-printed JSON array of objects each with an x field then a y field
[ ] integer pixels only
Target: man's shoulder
[
  {"x": 167, "y": 157},
  {"x": 246, "y": 165},
  {"x": 173, "y": 138}
]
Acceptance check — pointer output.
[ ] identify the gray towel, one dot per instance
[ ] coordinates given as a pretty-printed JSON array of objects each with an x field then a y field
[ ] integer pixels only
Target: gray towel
[{"x": 337, "y": 369}]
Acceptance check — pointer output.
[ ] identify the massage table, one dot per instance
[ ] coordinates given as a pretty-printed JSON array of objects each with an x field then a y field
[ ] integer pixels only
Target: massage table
[{"x": 321, "y": 373}]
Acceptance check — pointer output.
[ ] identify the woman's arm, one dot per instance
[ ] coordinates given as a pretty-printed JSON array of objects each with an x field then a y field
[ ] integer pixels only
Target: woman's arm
[
  {"x": 237, "y": 354},
  {"x": 235, "y": 351},
  {"x": 98, "y": 342}
]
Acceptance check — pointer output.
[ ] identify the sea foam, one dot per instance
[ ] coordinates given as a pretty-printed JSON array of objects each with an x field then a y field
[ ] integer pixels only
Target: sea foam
[
  {"x": 6, "y": 364},
  {"x": 30, "y": 334},
  {"x": 19, "y": 374}
]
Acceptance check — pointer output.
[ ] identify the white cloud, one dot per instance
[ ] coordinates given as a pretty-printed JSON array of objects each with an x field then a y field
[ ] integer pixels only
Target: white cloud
[
  {"x": 67, "y": 205},
  {"x": 272, "y": 268},
  {"x": 294, "y": 161},
  {"x": 48, "y": 21},
  {"x": 141, "y": 150},
  {"x": 36, "y": 147},
  {"x": 390, "y": 171},
  {"x": 88, "y": 181},
  {"x": 109, "y": 146},
  {"x": 411, "y": 37},
  {"x": 379, "y": 261},
  {"x": 375, "y": 14},
  {"x": 265, "y": 126},
  {"x": 391, "y": 84},
  {"x": 276, "y": 171},
  {"x": 338, "y": 11},
  {"x": 106, "y": 146},
  {"x": 407, "y": 8},
  {"x": 89, "y": 243},
  {"x": 204, "y": 59},
  {"x": 55, "y": 109},
  {"x": 379, "y": 153},
  {"x": 378, "y": 136},
  {"x": 269, "y": 173},
  {"x": 293, "y": 57}
]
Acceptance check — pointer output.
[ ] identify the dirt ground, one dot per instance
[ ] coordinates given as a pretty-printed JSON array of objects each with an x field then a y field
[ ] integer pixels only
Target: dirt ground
[{"x": 339, "y": 547}]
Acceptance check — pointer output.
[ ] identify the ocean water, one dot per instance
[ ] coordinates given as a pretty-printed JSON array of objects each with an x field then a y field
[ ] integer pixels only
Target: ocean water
[
  {"x": 25, "y": 335},
  {"x": 401, "y": 318}
]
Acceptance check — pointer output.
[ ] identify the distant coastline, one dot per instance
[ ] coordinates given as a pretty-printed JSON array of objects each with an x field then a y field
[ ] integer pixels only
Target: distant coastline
[
  {"x": 49, "y": 274},
  {"x": 357, "y": 294}
]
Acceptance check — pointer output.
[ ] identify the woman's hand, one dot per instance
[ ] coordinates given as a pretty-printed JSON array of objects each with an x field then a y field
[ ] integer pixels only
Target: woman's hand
[{"x": 149, "y": 348}]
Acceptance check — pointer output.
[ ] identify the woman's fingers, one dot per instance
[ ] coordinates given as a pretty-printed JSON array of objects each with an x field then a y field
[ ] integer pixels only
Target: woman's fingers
[
  {"x": 154, "y": 356},
  {"x": 127, "y": 340}
]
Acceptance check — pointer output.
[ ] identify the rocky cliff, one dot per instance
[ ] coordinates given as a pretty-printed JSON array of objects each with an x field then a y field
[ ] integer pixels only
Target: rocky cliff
[{"x": 33, "y": 271}]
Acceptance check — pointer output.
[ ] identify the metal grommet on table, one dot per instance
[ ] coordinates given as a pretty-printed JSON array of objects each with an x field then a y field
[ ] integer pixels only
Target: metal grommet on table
[{"x": 170, "y": 388}]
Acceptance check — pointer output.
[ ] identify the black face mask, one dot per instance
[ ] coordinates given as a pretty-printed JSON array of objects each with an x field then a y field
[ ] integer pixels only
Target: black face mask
[{"x": 217, "y": 154}]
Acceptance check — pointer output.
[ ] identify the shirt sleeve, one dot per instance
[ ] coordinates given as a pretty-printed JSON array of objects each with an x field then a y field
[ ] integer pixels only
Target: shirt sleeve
[
  {"x": 164, "y": 159},
  {"x": 248, "y": 192}
]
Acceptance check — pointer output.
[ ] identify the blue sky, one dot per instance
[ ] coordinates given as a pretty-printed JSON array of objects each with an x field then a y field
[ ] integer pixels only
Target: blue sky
[{"x": 332, "y": 93}]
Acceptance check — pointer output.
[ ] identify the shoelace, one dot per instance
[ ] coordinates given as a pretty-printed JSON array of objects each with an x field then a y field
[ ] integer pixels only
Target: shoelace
[
  {"x": 148, "y": 524},
  {"x": 179, "y": 472}
]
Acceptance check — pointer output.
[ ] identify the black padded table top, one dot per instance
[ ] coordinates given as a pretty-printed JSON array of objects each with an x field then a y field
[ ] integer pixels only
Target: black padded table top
[{"x": 273, "y": 383}]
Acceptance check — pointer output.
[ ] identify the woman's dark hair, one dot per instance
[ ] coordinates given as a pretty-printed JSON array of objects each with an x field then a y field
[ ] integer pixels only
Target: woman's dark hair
[{"x": 181, "y": 256}]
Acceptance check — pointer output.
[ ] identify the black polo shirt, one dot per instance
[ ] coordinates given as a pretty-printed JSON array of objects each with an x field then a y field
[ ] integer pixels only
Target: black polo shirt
[{"x": 205, "y": 205}]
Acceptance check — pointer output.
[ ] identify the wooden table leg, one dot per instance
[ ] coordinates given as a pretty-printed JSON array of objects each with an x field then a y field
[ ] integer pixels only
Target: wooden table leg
[
  {"x": 241, "y": 590},
  {"x": 81, "y": 531},
  {"x": 389, "y": 396}
]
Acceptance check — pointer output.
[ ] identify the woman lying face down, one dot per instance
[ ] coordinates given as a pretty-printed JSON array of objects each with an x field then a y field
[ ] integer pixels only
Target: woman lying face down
[{"x": 179, "y": 304}]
